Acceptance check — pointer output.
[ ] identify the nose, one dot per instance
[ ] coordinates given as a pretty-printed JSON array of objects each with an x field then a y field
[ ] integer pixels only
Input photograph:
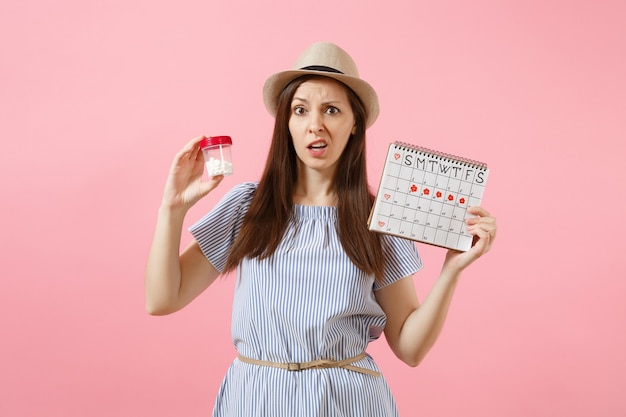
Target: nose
[{"x": 316, "y": 122}]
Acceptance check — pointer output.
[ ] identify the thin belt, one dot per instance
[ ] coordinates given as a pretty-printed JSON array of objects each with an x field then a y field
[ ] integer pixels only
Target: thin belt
[{"x": 319, "y": 363}]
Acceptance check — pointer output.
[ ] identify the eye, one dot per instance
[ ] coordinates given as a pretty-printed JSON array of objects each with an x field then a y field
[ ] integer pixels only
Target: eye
[
  {"x": 299, "y": 110},
  {"x": 332, "y": 110}
]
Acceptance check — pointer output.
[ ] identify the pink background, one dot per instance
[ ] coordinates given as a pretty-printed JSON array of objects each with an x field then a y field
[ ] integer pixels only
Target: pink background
[{"x": 98, "y": 96}]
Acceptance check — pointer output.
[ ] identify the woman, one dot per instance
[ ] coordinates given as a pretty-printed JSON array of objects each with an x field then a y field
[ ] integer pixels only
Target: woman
[{"x": 314, "y": 286}]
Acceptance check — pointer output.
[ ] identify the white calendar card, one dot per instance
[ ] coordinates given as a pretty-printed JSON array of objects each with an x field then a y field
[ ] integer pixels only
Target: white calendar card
[{"x": 424, "y": 195}]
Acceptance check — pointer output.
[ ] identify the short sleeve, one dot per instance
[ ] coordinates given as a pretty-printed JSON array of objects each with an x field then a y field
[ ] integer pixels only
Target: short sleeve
[
  {"x": 401, "y": 260},
  {"x": 216, "y": 231}
]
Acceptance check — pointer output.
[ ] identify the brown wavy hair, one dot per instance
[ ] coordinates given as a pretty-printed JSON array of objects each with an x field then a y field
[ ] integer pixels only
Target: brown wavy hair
[{"x": 271, "y": 207}]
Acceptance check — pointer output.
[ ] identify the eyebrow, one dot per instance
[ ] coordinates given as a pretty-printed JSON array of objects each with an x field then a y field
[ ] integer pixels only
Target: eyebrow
[{"x": 323, "y": 103}]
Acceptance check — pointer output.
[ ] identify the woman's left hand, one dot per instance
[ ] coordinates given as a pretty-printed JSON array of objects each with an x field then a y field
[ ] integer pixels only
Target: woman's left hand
[{"x": 483, "y": 227}]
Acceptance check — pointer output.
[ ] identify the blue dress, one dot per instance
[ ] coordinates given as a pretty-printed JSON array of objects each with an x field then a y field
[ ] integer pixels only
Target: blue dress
[{"x": 307, "y": 301}]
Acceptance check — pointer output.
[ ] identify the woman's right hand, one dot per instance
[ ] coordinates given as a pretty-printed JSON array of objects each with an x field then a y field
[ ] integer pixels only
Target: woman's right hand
[{"x": 184, "y": 186}]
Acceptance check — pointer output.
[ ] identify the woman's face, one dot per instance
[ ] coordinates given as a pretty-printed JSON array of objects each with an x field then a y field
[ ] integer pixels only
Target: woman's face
[{"x": 320, "y": 123}]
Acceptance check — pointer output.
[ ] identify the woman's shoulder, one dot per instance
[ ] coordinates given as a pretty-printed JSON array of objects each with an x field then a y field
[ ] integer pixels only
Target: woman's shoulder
[
  {"x": 233, "y": 204},
  {"x": 244, "y": 188},
  {"x": 391, "y": 241},
  {"x": 239, "y": 195},
  {"x": 400, "y": 249}
]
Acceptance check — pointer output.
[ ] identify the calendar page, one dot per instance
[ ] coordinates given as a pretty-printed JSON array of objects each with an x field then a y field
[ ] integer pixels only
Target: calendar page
[{"x": 424, "y": 196}]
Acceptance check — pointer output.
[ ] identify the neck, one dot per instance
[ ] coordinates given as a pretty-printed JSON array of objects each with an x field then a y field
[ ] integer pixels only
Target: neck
[{"x": 314, "y": 188}]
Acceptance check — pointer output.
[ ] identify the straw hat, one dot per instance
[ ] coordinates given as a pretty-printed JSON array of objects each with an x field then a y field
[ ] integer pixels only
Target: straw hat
[{"x": 328, "y": 60}]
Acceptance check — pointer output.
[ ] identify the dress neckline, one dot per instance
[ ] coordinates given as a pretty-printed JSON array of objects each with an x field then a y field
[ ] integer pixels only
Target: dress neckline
[{"x": 316, "y": 212}]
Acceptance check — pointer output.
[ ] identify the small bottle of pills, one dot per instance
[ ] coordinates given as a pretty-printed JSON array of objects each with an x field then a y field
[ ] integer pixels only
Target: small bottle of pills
[{"x": 217, "y": 156}]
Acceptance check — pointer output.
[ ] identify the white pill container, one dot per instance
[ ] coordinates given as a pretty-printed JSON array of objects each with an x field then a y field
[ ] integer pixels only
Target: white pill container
[{"x": 217, "y": 155}]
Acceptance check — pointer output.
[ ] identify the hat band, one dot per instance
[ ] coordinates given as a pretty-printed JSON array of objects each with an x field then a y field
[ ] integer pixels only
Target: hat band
[{"x": 322, "y": 68}]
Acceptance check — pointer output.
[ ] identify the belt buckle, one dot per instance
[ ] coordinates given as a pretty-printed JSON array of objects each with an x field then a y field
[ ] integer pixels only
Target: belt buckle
[{"x": 293, "y": 367}]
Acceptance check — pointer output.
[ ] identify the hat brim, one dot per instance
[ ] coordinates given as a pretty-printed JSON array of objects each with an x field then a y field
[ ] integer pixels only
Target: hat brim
[{"x": 277, "y": 82}]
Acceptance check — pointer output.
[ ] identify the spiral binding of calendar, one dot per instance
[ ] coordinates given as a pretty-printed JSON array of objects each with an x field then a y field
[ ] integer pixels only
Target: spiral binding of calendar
[{"x": 441, "y": 155}]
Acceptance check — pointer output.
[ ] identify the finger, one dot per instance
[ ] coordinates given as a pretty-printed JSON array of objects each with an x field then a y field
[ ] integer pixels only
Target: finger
[
  {"x": 210, "y": 184},
  {"x": 199, "y": 155},
  {"x": 191, "y": 149},
  {"x": 487, "y": 223},
  {"x": 193, "y": 143},
  {"x": 480, "y": 219},
  {"x": 488, "y": 227},
  {"x": 478, "y": 211},
  {"x": 482, "y": 241}
]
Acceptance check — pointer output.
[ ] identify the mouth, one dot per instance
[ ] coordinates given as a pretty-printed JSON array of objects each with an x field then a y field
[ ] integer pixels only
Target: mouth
[{"x": 316, "y": 146}]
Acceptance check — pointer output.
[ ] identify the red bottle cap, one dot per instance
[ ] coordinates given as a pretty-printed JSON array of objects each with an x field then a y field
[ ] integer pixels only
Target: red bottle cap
[{"x": 215, "y": 140}]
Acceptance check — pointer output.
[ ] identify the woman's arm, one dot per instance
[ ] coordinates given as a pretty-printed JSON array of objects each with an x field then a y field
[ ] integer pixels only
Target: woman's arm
[
  {"x": 412, "y": 329},
  {"x": 172, "y": 279}
]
